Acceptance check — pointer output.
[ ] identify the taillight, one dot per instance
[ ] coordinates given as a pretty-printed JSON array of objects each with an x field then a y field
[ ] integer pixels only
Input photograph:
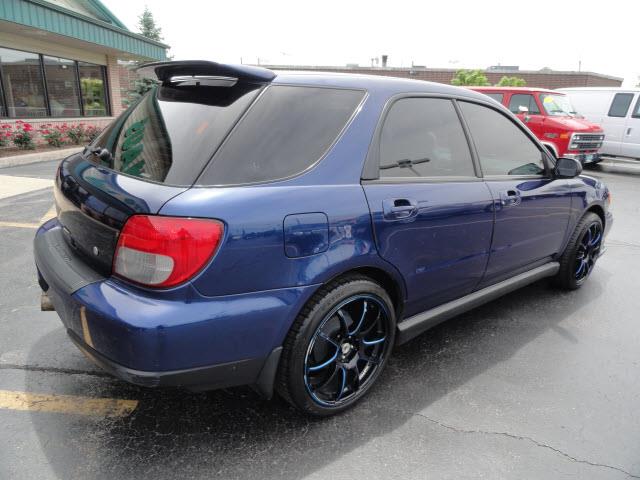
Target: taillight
[{"x": 165, "y": 251}]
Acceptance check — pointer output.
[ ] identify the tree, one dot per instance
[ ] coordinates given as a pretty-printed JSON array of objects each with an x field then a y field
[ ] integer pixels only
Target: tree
[
  {"x": 470, "y": 77},
  {"x": 511, "y": 82},
  {"x": 147, "y": 26}
]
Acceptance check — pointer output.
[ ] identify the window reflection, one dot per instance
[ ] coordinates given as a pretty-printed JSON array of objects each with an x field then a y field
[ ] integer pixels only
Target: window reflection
[
  {"x": 92, "y": 84},
  {"x": 62, "y": 87},
  {"x": 22, "y": 78}
]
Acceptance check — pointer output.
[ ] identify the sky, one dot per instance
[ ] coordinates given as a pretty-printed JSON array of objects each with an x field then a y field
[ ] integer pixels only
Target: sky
[{"x": 601, "y": 37}]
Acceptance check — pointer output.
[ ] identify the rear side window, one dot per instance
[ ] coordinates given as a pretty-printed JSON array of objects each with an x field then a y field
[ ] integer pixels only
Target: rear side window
[
  {"x": 503, "y": 148},
  {"x": 423, "y": 137},
  {"x": 523, "y": 100},
  {"x": 286, "y": 131},
  {"x": 172, "y": 132},
  {"x": 620, "y": 104},
  {"x": 498, "y": 97}
]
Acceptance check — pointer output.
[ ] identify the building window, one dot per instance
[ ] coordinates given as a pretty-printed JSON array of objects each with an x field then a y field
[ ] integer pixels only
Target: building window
[
  {"x": 73, "y": 89},
  {"x": 92, "y": 84},
  {"x": 23, "y": 85},
  {"x": 3, "y": 108},
  {"x": 62, "y": 87}
]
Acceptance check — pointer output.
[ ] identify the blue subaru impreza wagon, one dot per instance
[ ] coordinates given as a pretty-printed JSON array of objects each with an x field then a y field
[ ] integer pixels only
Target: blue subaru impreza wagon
[{"x": 238, "y": 226}]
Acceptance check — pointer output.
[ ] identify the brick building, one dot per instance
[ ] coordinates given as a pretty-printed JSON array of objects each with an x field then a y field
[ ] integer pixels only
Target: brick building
[
  {"x": 535, "y": 78},
  {"x": 61, "y": 61}
]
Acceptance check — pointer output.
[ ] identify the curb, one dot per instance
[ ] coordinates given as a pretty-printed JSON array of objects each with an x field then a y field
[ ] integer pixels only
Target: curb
[{"x": 26, "y": 158}]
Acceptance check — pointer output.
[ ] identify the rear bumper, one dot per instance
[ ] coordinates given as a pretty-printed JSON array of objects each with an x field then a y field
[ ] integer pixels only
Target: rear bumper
[
  {"x": 164, "y": 338},
  {"x": 242, "y": 372}
]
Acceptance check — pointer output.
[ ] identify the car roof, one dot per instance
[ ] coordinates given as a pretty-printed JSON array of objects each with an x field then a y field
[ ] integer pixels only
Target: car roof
[
  {"x": 512, "y": 89},
  {"x": 167, "y": 70},
  {"x": 371, "y": 83},
  {"x": 599, "y": 89}
]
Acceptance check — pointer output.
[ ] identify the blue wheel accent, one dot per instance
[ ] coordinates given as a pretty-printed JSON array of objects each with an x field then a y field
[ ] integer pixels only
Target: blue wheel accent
[
  {"x": 588, "y": 251},
  {"x": 346, "y": 350}
]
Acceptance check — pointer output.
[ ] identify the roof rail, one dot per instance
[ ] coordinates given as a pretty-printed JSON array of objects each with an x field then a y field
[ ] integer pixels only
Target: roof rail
[{"x": 164, "y": 71}]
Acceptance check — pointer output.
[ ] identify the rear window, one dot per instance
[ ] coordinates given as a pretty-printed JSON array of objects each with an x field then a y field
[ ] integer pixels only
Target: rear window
[
  {"x": 286, "y": 131},
  {"x": 172, "y": 132}
]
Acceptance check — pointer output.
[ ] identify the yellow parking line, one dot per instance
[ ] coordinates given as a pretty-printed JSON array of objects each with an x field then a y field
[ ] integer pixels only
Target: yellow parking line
[
  {"x": 39, "y": 402},
  {"x": 19, "y": 224},
  {"x": 50, "y": 214}
]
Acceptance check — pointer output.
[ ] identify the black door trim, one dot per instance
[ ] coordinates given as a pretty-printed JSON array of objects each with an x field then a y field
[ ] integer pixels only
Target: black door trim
[{"x": 414, "y": 326}]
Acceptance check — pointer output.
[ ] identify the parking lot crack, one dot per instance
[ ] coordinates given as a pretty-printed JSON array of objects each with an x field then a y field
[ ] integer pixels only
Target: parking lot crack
[
  {"x": 67, "y": 371},
  {"x": 521, "y": 438}
]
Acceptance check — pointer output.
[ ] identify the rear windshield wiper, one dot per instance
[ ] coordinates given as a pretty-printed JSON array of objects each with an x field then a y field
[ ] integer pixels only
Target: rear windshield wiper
[
  {"x": 102, "y": 153},
  {"x": 405, "y": 163}
]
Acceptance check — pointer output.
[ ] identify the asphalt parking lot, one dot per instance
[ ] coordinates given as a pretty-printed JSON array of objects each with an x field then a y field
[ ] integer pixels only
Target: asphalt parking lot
[{"x": 539, "y": 385}]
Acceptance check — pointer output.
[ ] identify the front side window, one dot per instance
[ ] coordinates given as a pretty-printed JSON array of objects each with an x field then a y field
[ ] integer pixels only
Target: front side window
[
  {"x": 62, "y": 87},
  {"x": 23, "y": 83},
  {"x": 286, "y": 131},
  {"x": 620, "y": 105},
  {"x": 523, "y": 100},
  {"x": 423, "y": 137},
  {"x": 636, "y": 110},
  {"x": 498, "y": 97},
  {"x": 503, "y": 148},
  {"x": 557, "y": 105}
]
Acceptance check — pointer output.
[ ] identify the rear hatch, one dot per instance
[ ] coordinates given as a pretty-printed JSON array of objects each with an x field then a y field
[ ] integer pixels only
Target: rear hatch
[
  {"x": 151, "y": 153},
  {"x": 200, "y": 127}
]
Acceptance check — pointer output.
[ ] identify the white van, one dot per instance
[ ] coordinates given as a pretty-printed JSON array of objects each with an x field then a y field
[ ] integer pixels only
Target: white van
[{"x": 617, "y": 111}]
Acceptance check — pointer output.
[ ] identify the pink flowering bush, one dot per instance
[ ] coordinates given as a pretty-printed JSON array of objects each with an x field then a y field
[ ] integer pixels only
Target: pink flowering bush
[
  {"x": 76, "y": 133},
  {"x": 91, "y": 132},
  {"x": 6, "y": 134},
  {"x": 23, "y": 136},
  {"x": 54, "y": 135}
]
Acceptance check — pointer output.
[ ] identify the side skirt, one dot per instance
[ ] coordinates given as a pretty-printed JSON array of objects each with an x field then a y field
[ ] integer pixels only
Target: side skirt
[{"x": 414, "y": 326}]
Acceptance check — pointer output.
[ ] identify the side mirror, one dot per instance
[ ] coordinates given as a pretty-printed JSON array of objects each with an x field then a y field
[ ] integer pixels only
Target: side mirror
[
  {"x": 523, "y": 109},
  {"x": 567, "y": 168}
]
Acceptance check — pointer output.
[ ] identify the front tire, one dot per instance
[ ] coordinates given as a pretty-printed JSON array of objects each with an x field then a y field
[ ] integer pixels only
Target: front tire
[
  {"x": 337, "y": 347},
  {"x": 579, "y": 258}
]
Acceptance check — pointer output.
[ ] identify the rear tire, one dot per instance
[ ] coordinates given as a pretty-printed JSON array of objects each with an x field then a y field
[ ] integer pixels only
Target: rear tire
[
  {"x": 337, "y": 347},
  {"x": 579, "y": 258}
]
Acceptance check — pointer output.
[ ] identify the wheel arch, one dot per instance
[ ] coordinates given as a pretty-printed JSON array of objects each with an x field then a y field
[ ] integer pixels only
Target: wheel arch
[
  {"x": 393, "y": 284},
  {"x": 598, "y": 210}
]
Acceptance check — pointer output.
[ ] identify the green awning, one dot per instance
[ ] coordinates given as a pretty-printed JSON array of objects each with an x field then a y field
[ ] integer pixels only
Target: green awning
[{"x": 61, "y": 21}]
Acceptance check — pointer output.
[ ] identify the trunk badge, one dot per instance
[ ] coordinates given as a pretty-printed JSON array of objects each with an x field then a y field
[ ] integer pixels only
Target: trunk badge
[{"x": 95, "y": 251}]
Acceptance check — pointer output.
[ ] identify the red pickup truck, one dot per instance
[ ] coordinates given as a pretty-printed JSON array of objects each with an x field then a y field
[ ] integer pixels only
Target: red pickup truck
[{"x": 550, "y": 116}]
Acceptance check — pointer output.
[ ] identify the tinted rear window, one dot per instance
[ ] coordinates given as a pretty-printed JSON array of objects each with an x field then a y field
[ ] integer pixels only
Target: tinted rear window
[
  {"x": 286, "y": 131},
  {"x": 172, "y": 132}
]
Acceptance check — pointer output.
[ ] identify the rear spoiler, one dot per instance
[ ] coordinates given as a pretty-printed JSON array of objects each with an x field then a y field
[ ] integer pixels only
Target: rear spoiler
[{"x": 165, "y": 71}]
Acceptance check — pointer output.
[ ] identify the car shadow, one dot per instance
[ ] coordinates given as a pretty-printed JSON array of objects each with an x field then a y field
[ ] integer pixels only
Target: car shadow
[{"x": 234, "y": 434}]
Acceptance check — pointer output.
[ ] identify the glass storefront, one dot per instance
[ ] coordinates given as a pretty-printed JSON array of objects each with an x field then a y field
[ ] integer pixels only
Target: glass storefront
[
  {"x": 35, "y": 86},
  {"x": 62, "y": 87}
]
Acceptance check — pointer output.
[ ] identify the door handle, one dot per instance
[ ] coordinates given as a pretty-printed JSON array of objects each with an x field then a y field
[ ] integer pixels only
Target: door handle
[
  {"x": 399, "y": 208},
  {"x": 510, "y": 198},
  {"x": 629, "y": 131}
]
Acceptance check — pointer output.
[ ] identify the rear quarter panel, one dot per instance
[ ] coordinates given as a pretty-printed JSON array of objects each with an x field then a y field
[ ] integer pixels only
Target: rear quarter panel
[{"x": 252, "y": 256}]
